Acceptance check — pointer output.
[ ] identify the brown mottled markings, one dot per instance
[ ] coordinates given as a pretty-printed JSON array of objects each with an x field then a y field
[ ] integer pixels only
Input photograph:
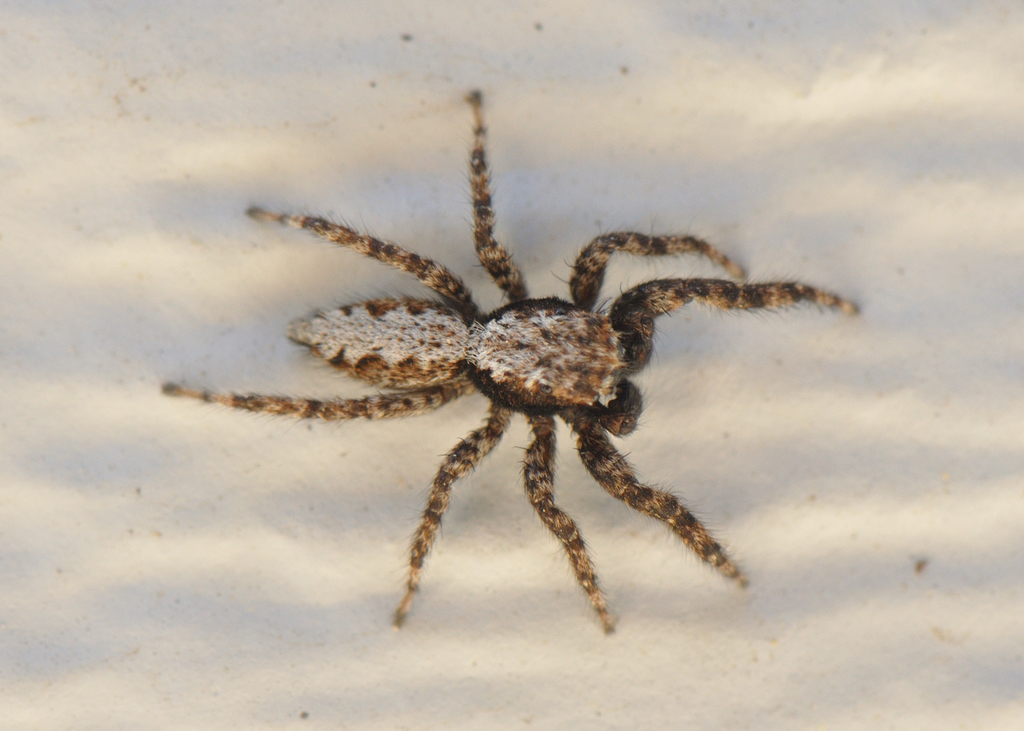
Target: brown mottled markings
[
  {"x": 539, "y": 479},
  {"x": 400, "y": 343},
  {"x": 494, "y": 257},
  {"x": 370, "y": 367},
  {"x": 436, "y": 276},
  {"x": 457, "y": 463},
  {"x": 613, "y": 473},
  {"x": 633, "y": 313},
  {"x": 382, "y": 406},
  {"x": 541, "y": 357},
  {"x": 379, "y": 308},
  {"x": 416, "y": 307},
  {"x": 525, "y": 352},
  {"x": 588, "y": 272}
]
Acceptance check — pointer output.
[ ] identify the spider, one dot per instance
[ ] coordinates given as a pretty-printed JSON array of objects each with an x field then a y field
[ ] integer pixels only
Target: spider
[{"x": 540, "y": 357}]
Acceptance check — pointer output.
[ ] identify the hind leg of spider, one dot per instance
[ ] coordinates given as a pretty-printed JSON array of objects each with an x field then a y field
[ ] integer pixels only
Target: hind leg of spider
[
  {"x": 494, "y": 257},
  {"x": 634, "y": 312},
  {"x": 436, "y": 276},
  {"x": 538, "y": 474},
  {"x": 613, "y": 473},
  {"x": 456, "y": 464},
  {"x": 588, "y": 271},
  {"x": 381, "y": 406}
]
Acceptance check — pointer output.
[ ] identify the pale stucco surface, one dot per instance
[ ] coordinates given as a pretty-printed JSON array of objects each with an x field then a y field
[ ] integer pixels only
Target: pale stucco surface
[{"x": 166, "y": 564}]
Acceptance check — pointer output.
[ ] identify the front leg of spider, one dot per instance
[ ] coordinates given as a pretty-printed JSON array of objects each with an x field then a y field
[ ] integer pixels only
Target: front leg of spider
[
  {"x": 633, "y": 313},
  {"x": 632, "y": 316},
  {"x": 541, "y": 358}
]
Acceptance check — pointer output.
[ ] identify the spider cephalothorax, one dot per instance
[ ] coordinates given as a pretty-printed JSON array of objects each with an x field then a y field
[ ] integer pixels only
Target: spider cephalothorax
[{"x": 539, "y": 357}]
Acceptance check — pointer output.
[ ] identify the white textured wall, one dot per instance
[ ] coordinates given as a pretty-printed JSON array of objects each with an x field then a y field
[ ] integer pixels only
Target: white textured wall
[{"x": 165, "y": 564}]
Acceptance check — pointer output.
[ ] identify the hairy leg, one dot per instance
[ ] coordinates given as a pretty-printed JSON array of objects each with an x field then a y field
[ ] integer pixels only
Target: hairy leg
[
  {"x": 588, "y": 271},
  {"x": 495, "y": 258},
  {"x": 436, "y": 276},
  {"x": 457, "y": 463},
  {"x": 633, "y": 313},
  {"x": 615, "y": 475},
  {"x": 381, "y": 406},
  {"x": 538, "y": 474}
]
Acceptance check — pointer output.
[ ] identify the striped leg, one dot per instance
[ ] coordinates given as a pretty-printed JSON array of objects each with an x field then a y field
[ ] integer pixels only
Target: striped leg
[
  {"x": 381, "y": 406},
  {"x": 588, "y": 271},
  {"x": 538, "y": 473},
  {"x": 615, "y": 475},
  {"x": 495, "y": 258},
  {"x": 457, "y": 464},
  {"x": 633, "y": 313},
  {"x": 436, "y": 276}
]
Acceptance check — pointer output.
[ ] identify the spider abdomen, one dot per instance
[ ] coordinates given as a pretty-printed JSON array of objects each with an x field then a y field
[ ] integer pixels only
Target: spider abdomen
[
  {"x": 396, "y": 343},
  {"x": 545, "y": 355}
]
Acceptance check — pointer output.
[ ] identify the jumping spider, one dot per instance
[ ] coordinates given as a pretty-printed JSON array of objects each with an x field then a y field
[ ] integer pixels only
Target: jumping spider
[{"x": 541, "y": 358}]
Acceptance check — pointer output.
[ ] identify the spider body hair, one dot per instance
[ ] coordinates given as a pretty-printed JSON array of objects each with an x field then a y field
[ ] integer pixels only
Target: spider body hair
[
  {"x": 541, "y": 356},
  {"x": 544, "y": 358},
  {"x": 393, "y": 343}
]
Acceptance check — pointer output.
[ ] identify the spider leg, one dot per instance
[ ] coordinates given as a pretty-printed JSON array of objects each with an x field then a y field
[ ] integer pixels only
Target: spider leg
[
  {"x": 588, "y": 271},
  {"x": 494, "y": 257},
  {"x": 633, "y": 313},
  {"x": 456, "y": 464},
  {"x": 381, "y": 406},
  {"x": 436, "y": 276},
  {"x": 538, "y": 474},
  {"x": 615, "y": 475}
]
